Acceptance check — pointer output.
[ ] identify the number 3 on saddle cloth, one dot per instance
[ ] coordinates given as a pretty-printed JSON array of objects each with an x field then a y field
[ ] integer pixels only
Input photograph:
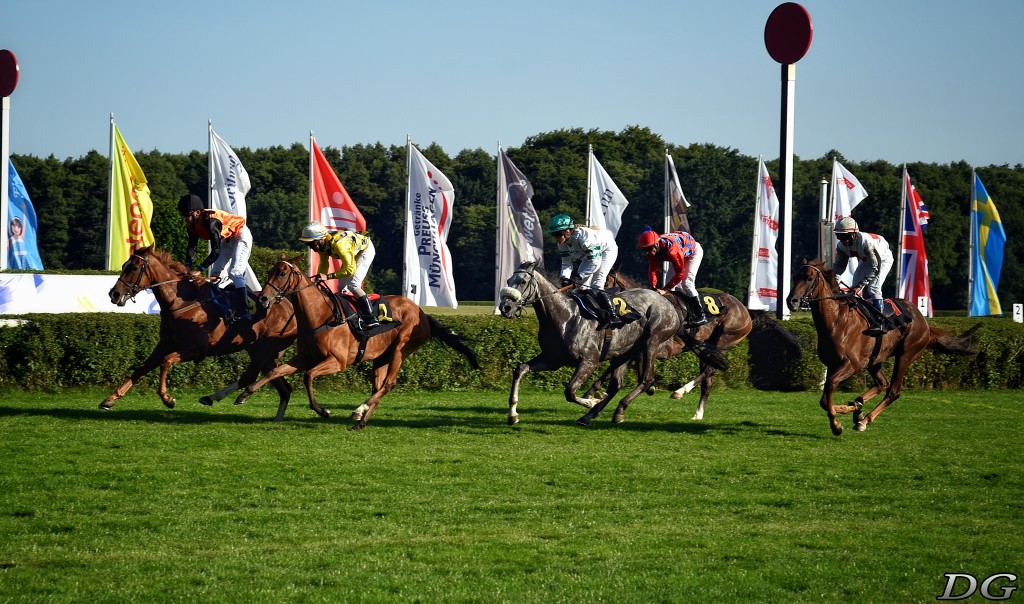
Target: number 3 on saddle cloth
[{"x": 590, "y": 308}]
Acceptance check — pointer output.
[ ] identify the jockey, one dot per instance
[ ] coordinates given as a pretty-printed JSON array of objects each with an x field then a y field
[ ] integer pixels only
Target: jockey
[
  {"x": 356, "y": 252},
  {"x": 230, "y": 247},
  {"x": 587, "y": 256},
  {"x": 875, "y": 261},
  {"x": 683, "y": 252}
]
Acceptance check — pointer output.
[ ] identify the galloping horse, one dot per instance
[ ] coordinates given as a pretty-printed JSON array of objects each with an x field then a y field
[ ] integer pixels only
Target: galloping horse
[
  {"x": 845, "y": 350},
  {"x": 192, "y": 326},
  {"x": 325, "y": 348},
  {"x": 566, "y": 338},
  {"x": 729, "y": 322}
]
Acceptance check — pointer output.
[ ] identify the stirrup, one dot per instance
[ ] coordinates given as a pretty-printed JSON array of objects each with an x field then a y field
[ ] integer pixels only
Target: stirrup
[{"x": 875, "y": 330}]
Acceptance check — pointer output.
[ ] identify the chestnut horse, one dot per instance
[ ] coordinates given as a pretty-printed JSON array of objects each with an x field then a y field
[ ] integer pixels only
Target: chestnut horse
[
  {"x": 729, "y": 322},
  {"x": 192, "y": 326},
  {"x": 326, "y": 345},
  {"x": 845, "y": 350}
]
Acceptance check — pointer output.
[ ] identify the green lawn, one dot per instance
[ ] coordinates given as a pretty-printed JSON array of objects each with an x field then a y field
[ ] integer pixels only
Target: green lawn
[{"x": 439, "y": 500}]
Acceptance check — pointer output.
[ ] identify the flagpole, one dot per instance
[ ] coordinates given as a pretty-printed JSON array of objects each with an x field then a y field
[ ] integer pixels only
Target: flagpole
[
  {"x": 754, "y": 243},
  {"x": 408, "y": 213},
  {"x": 668, "y": 217},
  {"x": 497, "y": 224},
  {"x": 309, "y": 251},
  {"x": 902, "y": 232},
  {"x": 5, "y": 183},
  {"x": 110, "y": 197},
  {"x": 970, "y": 262},
  {"x": 590, "y": 163}
]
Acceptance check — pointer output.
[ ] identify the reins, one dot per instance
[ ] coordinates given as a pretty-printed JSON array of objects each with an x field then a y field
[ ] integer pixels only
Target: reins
[{"x": 337, "y": 315}]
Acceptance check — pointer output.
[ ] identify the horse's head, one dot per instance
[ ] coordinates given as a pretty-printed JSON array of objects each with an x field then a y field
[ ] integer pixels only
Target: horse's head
[
  {"x": 521, "y": 290},
  {"x": 811, "y": 281},
  {"x": 284, "y": 278},
  {"x": 135, "y": 276}
]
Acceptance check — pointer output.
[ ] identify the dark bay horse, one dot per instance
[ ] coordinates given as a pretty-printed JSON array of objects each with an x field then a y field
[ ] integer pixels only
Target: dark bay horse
[
  {"x": 566, "y": 338},
  {"x": 192, "y": 326},
  {"x": 845, "y": 350},
  {"x": 325, "y": 347},
  {"x": 729, "y": 322}
]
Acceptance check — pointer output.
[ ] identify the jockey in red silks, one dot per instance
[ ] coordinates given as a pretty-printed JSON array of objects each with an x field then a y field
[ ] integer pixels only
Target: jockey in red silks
[{"x": 684, "y": 254}]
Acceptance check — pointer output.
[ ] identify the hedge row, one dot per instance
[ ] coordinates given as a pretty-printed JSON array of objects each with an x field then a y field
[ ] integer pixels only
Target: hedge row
[{"x": 48, "y": 352}]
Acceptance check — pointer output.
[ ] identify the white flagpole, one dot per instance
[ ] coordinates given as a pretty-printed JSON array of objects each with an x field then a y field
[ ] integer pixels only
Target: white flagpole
[
  {"x": 498, "y": 230},
  {"x": 309, "y": 251},
  {"x": 754, "y": 245},
  {"x": 668, "y": 218},
  {"x": 408, "y": 188},
  {"x": 970, "y": 262},
  {"x": 899, "y": 246},
  {"x": 110, "y": 196},
  {"x": 590, "y": 162}
]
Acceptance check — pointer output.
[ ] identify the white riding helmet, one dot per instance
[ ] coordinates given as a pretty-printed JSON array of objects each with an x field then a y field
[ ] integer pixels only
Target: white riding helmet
[
  {"x": 313, "y": 231},
  {"x": 846, "y": 225}
]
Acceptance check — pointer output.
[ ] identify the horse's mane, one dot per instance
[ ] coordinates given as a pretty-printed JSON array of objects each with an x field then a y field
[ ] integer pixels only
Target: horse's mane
[{"x": 165, "y": 259}]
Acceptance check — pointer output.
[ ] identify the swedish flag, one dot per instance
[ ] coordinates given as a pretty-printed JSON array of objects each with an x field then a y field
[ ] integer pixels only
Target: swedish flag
[{"x": 989, "y": 238}]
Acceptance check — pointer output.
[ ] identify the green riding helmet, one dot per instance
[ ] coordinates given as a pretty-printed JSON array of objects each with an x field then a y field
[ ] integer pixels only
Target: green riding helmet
[{"x": 559, "y": 223}]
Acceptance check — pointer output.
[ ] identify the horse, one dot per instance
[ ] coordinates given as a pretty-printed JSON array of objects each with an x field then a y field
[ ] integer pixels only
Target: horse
[
  {"x": 326, "y": 343},
  {"x": 845, "y": 350},
  {"x": 192, "y": 326},
  {"x": 566, "y": 338}
]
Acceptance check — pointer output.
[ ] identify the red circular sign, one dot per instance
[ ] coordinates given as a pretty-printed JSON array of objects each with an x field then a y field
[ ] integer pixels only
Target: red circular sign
[
  {"x": 787, "y": 35},
  {"x": 8, "y": 73}
]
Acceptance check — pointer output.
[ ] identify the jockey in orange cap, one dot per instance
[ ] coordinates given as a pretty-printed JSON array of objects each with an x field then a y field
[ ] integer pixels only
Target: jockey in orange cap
[{"x": 684, "y": 254}]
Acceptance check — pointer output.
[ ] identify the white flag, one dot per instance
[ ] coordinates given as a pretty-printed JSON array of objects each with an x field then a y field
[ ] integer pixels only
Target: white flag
[
  {"x": 605, "y": 202},
  {"x": 428, "y": 216},
  {"x": 847, "y": 192},
  {"x": 229, "y": 182},
  {"x": 675, "y": 201},
  {"x": 763, "y": 293}
]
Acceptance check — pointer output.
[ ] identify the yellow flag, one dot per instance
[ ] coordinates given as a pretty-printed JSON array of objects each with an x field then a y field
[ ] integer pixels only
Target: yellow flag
[{"x": 130, "y": 205}]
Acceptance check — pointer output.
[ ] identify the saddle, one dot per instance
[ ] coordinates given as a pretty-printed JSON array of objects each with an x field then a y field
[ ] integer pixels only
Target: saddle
[
  {"x": 345, "y": 310},
  {"x": 896, "y": 312},
  {"x": 222, "y": 300},
  {"x": 713, "y": 305},
  {"x": 591, "y": 309}
]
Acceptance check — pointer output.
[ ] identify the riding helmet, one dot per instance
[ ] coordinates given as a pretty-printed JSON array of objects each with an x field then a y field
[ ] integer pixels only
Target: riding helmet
[
  {"x": 189, "y": 203},
  {"x": 846, "y": 225},
  {"x": 559, "y": 223},
  {"x": 648, "y": 238},
  {"x": 313, "y": 231}
]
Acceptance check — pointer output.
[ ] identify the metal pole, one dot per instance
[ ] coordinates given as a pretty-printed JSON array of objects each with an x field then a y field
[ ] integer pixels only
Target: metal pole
[{"x": 786, "y": 199}]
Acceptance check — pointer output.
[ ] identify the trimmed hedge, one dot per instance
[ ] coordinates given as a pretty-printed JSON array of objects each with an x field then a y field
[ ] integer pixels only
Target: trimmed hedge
[{"x": 48, "y": 352}]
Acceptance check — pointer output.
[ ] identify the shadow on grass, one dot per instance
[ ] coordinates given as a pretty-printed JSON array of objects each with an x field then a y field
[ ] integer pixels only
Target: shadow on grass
[{"x": 164, "y": 416}]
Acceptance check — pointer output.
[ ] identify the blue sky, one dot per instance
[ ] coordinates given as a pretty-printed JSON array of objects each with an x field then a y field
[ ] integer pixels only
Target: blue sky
[{"x": 915, "y": 80}]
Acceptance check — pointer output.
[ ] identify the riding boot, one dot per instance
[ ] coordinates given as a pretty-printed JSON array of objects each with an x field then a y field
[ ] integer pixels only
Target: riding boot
[
  {"x": 605, "y": 300},
  {"x": 240, "y": 304},
  {"x": 879, "y": 323},
  {"x": 368, "y": 315},
  {"x": 697, "y": 315}
]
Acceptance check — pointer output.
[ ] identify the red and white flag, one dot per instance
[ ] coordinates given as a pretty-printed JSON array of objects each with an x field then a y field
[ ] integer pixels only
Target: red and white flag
[
  {"x": 847, "y": 193},
  {"x": 763, "y": 293},
  {"x": 428, "y": 217},
  {"x": 330, "y": 204},
  {"x": 914, "y": 262}
]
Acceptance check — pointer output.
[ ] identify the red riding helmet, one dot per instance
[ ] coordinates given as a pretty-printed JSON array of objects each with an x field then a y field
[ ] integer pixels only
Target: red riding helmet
[{"x": 648, "y": 238}]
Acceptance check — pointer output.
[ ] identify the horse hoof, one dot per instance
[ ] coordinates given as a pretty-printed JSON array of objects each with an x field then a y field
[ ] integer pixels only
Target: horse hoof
[
  {"x": 860, "y": 426},
  {"x": 618, "y": 418},
  {"x": 357, "y": 426},
  {"x": 583, "y": 422},
  {"x": 105, "y": 407},
  {"x": 170, "y": 403},
  {"x": 837, "y": 430},
  {"x": 207, "y": 401},
  {"x": 356, "y": 416},
  {"x": 676, "y": 396},
  {"x": 513, "y": 420},
  {"x": 588, "y": 403},
  {"x": 650, "y": 391}
]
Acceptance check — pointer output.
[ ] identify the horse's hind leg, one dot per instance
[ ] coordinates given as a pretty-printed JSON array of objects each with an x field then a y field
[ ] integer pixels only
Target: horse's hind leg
[
  {"x": 616, "y": 369},
  {"x": 899, "y": 373},
  {"x": 881, "y": 385},
  {"x": 707, "y": 383},
  {"x": 644, "y": 381}
]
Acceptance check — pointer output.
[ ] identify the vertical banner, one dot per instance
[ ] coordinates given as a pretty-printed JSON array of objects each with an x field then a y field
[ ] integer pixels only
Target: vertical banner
[
  {"x": 329, "y": 204},
  {"x": 987, "y": 241},
  {"x": 763, "y": 293},
  {"x": 22, "y": 226},
  {"x": 428, "y": 217},
  {"x": 520, "y": 235},
  {"x": 229, "y": 182},
  {"x": 131, "y": 208},
  {"x": 605, "y": 202}
]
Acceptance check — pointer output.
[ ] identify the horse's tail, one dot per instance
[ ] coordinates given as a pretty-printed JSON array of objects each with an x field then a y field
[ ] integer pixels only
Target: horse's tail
[
  {"x": 452, "y": 340},
  {"x": 712, "y": 355},
  {"x": 965, "y": 344},
  {"x": 763, "y": 319}
]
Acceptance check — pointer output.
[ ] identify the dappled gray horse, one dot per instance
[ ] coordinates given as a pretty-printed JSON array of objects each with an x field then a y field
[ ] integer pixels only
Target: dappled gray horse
[{"x": 568, "y": 339}]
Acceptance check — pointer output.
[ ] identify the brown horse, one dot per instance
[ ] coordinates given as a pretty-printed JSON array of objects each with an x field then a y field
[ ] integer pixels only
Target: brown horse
[
  {"x": 845, "y": 350},
  {"x": 192, "y": 326},
  {"x": 326, "y": 345},
  {"x": 728, "y": 324}
]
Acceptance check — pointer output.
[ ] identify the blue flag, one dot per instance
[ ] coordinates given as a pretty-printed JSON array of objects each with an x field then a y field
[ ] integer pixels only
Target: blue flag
[
  {"x": 989, "y": 238},
  {"x": 22, "y": 251}
]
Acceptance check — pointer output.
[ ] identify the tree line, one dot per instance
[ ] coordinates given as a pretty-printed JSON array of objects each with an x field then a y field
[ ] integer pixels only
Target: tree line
[{"x": 70, "y": 198}]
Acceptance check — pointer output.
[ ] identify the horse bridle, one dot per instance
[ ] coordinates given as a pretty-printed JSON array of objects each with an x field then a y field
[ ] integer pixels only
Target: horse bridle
[
  {"x": 281, "y": 293},
  {"x": 819, "y": 276},
  {"x": 135, "y": 289}
]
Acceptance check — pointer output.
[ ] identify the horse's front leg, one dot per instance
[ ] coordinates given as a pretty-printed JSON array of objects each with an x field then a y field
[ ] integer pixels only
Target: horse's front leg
[
  {"x": 165, "y": 370},
  {"x": 617, "y": 370},
  {"x": 385, "y": 377},
  {"x": 537, "y": 363},
  {"x": 152, "y": 361},
  {"x": 833, "y": 378},
  {"x": 282, "y": 370},
  {"x": 584, "y": 369},
  {"x": 313, "y": 404}
]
